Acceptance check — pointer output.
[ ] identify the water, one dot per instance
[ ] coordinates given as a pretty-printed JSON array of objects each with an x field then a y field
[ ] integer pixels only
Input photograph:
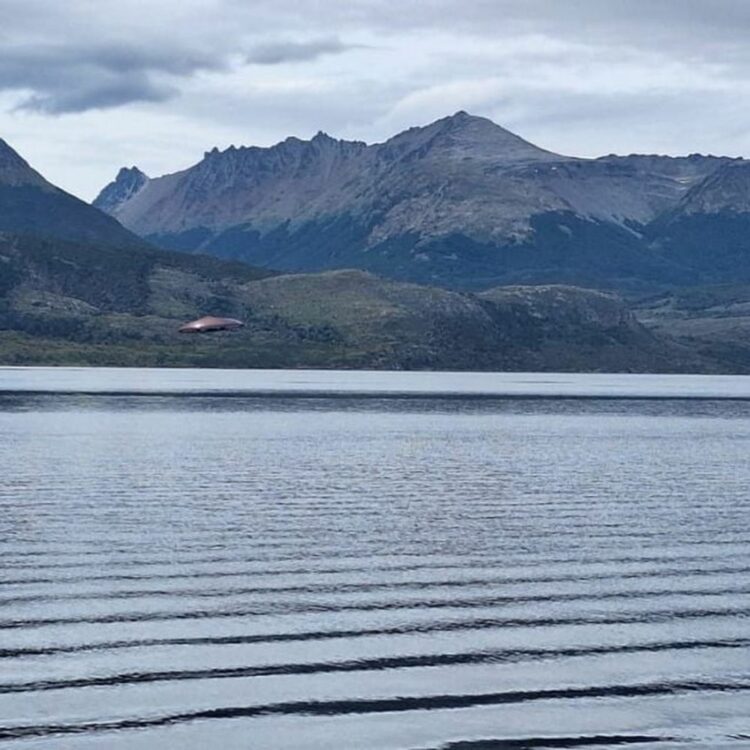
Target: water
[{"x": 373, "y": 561}]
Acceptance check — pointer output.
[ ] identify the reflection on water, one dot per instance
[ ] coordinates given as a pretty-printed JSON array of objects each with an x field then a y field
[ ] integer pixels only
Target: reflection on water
[{"x": 180, "y": 571}]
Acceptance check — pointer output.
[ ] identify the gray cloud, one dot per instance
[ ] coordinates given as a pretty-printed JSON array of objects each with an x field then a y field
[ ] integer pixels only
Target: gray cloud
[
  {"x": 123, "y": 90},
  {"x": 583, "y": 76},
  {"x": 274, "y": 53},
  {"x": 64, "y": 79},
  {"x": 72, "y": 56},
  {"x": 682, "y": 23}
]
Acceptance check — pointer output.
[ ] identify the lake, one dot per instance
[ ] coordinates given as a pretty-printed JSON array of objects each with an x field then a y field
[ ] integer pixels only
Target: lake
[{"x": 373, "y": 561}]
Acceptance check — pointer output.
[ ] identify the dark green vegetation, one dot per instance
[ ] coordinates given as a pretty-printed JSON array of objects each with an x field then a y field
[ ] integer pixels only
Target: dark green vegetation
[
  {"x": 60, "y": 305},
  {"x": 562, "y": 248},
  {"x": 63, "y": 301},
  {"x": 27, "y": 209}
]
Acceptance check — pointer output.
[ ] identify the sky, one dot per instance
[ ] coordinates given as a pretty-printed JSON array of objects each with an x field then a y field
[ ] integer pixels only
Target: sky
[{"x": 88, "y": 86}]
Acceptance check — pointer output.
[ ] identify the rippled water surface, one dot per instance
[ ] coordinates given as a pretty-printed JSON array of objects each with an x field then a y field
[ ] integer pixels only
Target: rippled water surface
[{"x": 369, "y": 561}]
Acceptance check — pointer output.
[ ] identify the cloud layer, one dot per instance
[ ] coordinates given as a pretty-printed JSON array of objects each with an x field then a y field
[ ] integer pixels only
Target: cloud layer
[{"x": 123, "y": 81}]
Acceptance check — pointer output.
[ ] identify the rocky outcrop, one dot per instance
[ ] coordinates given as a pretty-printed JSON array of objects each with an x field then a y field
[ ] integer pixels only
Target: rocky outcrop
[{"x": 125, "y": 186}]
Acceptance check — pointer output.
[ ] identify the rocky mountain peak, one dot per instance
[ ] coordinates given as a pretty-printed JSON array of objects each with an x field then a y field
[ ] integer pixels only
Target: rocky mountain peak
[
  {"x": 131, "y": 174},
  {"x": 466, "y": 136},
  {"x": 31, "y": 206},
  {"x": 129, "y": 181},
  {"x": 237, "y": 169},
  {"x": 462, "y": 120}
]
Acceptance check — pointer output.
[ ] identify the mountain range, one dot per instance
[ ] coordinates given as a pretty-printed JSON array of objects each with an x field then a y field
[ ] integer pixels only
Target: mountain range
[
  {"x": 78, "y": 287},
  {"x": 461, "y": 203}
]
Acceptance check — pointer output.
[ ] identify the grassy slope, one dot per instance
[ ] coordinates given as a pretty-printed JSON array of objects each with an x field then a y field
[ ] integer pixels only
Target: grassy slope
[{"x": 712, "y": 320}]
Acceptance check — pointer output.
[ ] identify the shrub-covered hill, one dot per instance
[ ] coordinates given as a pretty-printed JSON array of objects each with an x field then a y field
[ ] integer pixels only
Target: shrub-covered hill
[{"x": 73, "y": 303}]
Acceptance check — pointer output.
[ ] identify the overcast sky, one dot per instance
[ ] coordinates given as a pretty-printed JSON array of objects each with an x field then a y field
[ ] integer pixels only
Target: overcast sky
[{"x": 87, "y": 86}]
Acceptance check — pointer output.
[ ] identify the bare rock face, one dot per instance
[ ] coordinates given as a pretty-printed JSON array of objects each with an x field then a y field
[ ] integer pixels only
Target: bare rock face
[
  {"x": 429, "y": 180},
  {"x": 126, "y": 185},
  {"x": 461, "y": 202},
  {"x": 725, "y": 190}
]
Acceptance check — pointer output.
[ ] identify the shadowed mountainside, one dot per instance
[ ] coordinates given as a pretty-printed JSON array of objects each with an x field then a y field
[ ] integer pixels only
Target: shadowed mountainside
[{"x": 30, "y": 204}]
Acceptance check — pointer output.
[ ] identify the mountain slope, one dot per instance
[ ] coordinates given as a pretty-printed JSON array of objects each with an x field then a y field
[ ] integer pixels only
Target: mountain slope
[
  {"x": 461, "y": 202},
  {"x": 118, "y": 300},
  {"x": 30, "y": 204},
  {"x": 709, "y": 229},
  {"x": 67, "y": 303},
  {"x": 712, "y": 320}
]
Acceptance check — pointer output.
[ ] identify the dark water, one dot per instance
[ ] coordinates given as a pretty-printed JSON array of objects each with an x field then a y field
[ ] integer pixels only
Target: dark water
[{"x": 267, "y": 561}]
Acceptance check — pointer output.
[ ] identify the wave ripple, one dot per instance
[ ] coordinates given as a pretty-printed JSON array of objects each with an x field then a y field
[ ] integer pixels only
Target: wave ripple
[{"x": 395, "y": 574}]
